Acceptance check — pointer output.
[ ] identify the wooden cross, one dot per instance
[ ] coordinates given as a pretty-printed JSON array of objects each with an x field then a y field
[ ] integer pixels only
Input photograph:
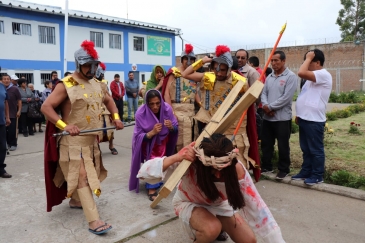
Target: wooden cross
[{"x": 218, "y": 124}]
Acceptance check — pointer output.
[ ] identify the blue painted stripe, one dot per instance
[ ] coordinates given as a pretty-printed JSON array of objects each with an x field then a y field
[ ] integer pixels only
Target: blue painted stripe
[
  {"x": 58, "y": 19},
  {"x": 30, "y": 65}
]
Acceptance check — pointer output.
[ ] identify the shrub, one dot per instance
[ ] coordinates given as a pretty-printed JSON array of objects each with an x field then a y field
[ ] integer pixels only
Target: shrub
[
  {"x": 294, "y": 127},
  {"x": 331, "y": 116},
  {"x": 343, "y": 113},
  {"x": 342, "y": 97},
  {"x": 333, "y": 98},
  {"x": 354, "y": 128},
  {"x": 345, "y": 178},
  {"x": 352, "y": 97}
]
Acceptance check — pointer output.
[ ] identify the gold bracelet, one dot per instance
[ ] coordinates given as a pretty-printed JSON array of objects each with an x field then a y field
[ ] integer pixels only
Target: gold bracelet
[
  {"x": 60, "y": 124},
  {"x": 198, "y": 64},
  {"x": 116, "y": 116}
]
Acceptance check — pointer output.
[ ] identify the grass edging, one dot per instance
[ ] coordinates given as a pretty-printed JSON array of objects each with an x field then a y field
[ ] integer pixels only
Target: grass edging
[
  {"x": 323, "y": 187},
  {"x": 146, "y": 230}
]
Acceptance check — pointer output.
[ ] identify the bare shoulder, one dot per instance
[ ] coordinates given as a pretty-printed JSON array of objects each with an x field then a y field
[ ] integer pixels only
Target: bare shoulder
[{"x": 240, "y": 171}]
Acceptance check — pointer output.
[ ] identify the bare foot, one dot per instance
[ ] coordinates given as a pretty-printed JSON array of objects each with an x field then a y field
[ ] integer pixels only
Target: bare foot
[
  {"x": 97, "y": 223},
  {"x": 74, "y": 203}
]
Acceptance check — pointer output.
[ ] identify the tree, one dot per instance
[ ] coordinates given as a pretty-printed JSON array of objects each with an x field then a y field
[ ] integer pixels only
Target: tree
[{"x": 351, "y": 18}]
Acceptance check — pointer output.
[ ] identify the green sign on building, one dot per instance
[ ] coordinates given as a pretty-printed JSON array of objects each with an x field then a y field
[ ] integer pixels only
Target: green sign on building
[{"x": 159, "y": 46}]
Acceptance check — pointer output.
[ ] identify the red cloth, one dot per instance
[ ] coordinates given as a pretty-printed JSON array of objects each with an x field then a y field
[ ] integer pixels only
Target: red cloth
[
  {"x": 259, "y": 70},
  {"x": 114, "y": 88},
  {"x": 251, "y": 129},
  {"x": 54, "y": 195},
  {"x": 253, "y": 151},
  {"x": 165, "y": 81}
]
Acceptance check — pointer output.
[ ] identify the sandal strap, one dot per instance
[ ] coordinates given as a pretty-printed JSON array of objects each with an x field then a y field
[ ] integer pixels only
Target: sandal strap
[{"x": 99, "y": 227}]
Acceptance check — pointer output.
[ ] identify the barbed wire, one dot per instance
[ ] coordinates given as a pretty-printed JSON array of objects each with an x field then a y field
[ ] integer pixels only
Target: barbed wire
[
  {"x": 317, "y": 41},
  {"x": 332, "y": 64}
]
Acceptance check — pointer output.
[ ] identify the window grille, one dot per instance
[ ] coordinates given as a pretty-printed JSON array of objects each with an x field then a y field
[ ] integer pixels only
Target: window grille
[
  {"x": 21, "y": 29},
  {"x": 138, "y": 43},
  {"x": 1, "y": 26},
  {"x": 115, "y": 41},
  {"x": 45, "y": 77},
  {"x": 28, "y": 76},
  {"x": 97, "y": 38},
  {"x": 47, "y": 35}
]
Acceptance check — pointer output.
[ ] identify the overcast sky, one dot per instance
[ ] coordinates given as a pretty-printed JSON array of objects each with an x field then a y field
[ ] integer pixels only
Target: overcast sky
[{"x": 236, "y": 23}]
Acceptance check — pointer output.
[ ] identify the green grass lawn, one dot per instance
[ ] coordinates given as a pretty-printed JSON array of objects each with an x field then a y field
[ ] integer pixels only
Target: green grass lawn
[{"x": 344, "y": 151}]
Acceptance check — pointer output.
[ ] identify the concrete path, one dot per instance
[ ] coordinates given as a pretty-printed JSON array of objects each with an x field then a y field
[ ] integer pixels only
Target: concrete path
[{"x": 303, "y": 215}]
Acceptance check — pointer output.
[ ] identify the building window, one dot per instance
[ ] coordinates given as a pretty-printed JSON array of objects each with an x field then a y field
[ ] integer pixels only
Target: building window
[
  {"x": 28, "y": 76},
  {"x": 45, "y": 77},
  {"x": 97, "y": 38},
  {"x": 138, "y": 43},
  {"x": 1, "y": 26},
  {"x": 47, "y": 35},
  {"x": 115, "y": 41},
  {"x": 21, "y": 29}
]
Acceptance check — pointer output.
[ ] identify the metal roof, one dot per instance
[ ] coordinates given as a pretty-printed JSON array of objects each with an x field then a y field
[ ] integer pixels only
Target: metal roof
[{"x": 85, "y": 15}]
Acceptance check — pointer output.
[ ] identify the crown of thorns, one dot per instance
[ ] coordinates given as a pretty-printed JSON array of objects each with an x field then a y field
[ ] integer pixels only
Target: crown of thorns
[{"x": 217, "y": 163}]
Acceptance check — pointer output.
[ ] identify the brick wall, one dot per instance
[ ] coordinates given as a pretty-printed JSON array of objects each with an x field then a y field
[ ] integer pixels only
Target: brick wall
[{"x": 343, "y": 61}]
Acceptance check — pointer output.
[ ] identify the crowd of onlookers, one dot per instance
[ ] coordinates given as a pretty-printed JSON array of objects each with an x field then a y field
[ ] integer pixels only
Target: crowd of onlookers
[{"x": 273, "y": 109}]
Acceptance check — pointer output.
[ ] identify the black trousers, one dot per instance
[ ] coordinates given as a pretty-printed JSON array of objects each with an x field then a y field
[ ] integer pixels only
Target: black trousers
[
  {"x": 26, "y": 123},
  {"x": 11, "y": 133},
  {"x": 120, "y": 106},
  {"x": 2, "y": 149},
  {"x": 281, "y": 131}
]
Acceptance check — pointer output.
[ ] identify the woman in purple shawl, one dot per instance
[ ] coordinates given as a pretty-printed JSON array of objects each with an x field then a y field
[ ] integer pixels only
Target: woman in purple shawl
[{"x": 155, "y": 135}]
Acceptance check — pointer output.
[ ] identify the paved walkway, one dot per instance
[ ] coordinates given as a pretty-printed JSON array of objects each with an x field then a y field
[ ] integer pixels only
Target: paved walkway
[{"x": 303, "y": 215}]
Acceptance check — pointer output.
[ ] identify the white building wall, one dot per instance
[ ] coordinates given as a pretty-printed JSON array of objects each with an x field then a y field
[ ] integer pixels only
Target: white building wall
[
  {"x": 26, "y": 47},
  {"x": 76, "y": 35},
  {"x": 141, "y": 57}
]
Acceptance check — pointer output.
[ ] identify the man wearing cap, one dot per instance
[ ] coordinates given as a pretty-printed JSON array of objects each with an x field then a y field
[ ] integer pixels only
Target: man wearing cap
[
  {"x": 215, "y": 86},
  {"x": 78, "y": 99},
  {"x": 14, "y": 80},
  {"x": 180, "y": 93}
]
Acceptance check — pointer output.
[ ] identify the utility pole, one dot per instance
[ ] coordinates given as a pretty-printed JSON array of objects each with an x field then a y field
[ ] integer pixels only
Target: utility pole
[{"x": 65, "y": 39}]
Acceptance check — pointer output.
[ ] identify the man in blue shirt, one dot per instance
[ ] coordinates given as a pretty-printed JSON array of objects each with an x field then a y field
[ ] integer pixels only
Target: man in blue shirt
[
  {"x": 4, "y": 121},
  {"x": 132, "y": 88}
]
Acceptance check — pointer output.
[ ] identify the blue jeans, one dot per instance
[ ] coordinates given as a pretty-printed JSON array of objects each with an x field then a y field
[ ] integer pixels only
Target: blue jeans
[
  {"x": 311, "y": 142},
  {"x": 132, "y": 102}
]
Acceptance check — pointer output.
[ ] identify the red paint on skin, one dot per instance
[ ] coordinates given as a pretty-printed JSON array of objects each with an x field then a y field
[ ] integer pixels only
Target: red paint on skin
[{"x": 239, "y": 220}]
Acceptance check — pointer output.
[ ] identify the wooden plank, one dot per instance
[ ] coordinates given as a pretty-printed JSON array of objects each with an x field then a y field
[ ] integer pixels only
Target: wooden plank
[
  {"x": 218, "y": 115},
  {"x": 243, "y": 104},
  {"x": 210, "y": 129}
]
